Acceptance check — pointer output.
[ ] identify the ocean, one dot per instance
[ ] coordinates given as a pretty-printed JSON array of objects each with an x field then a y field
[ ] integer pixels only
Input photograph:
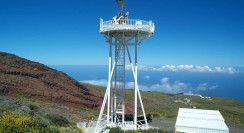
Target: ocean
[{"x": 221, "y": 84}]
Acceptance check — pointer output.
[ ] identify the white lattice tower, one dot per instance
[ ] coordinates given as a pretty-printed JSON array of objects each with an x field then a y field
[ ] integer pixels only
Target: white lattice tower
[{"x": 122, "y": 33}]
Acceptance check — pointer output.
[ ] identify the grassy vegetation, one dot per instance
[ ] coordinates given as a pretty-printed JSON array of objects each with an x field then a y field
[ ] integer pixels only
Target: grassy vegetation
[
  {"x": 92, "y": 114},
  {"x": 163, "y": 105},
  {"x": 12, "y": 121},
  {"x": 57, "y": 120},
  {"x": 5, "y": 109}
]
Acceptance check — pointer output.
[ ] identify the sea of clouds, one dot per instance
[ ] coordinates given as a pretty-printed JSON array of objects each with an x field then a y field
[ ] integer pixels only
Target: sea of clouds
[
  {"x": 186, "y": 68},
  {"x": 166, "y": 85}
]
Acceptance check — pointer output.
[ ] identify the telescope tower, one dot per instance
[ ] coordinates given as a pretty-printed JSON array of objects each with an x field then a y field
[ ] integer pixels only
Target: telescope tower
[{"x": 122, "y": 33}]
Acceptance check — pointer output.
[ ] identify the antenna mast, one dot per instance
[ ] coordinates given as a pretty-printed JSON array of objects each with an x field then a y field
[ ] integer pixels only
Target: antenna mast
[{"x": 121, "y": 5}]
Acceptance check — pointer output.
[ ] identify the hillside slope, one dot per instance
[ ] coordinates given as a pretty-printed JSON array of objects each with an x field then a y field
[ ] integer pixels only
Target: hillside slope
[
  {"x": 165, "y": 105},
  {"x": 19, "y": 76}
]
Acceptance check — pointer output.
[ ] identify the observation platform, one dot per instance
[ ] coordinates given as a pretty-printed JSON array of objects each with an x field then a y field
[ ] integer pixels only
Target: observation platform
[{"x": 130, "y": 27}]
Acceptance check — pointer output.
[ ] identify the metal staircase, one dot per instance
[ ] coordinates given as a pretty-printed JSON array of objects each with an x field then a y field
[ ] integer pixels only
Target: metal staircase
[{"x": 119, "y": 84}]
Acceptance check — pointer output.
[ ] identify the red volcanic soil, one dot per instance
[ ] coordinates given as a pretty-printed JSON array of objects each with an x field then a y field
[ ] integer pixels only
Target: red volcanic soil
[{"x": 19, "y": 76}]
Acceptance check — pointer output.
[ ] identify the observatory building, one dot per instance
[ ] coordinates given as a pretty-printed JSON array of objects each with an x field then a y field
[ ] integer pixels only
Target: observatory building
[
  {"x": 122, "y": 33},
  {"x": 200, "y": 121}
]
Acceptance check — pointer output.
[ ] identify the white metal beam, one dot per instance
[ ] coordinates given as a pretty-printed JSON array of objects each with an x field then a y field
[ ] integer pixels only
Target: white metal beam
[
  {"x": 143, "y": 39},
  {"x": 139, "y": 95},
  {"x": 129, "y": 39},
  {"x": 109, "y": 78},
  {"x": 106, "y": 93},
  {"x": 123, "y": 99},
  {"x": 135, "y": 91}
]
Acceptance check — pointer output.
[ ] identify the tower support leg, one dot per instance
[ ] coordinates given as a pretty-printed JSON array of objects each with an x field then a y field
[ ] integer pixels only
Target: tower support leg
[
  {"x": 106, "y": 96},
  {"x": 135, "y": 91},
  {"x": 138, "y": 91},
  {"x": 109, "y": 79}
]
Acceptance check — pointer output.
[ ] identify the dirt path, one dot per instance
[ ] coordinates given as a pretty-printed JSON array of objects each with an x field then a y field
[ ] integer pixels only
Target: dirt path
[
  {"x": 166, "y": 124},
  {"x": 235, "y": 128}
]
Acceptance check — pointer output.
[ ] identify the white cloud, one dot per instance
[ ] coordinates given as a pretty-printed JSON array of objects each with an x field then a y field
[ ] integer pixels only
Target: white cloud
[
  {"x": 164, "y": 80},
  {"x": 164, "y": 86},
  {"x": 176, "y": 87},
  {"x": 167, "y": 87},
  {"x": 189, "y": 68},
  {"x": 144, "y": 68},
  {"x": 127, "y": 67},
  {"x": 202, "y": 87},
  {"x": 203, "y": 69},
  {"x": 213, "y": 87},
  {"x": 102, "y": 82},
  {"x": 225, "y": 70},
  {"x": 147, "y": 77},
  {"x": 205, "y": 86},
  {"x": 129, "y": 85}
]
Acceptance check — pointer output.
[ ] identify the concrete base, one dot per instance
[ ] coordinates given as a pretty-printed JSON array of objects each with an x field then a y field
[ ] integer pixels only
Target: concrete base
[
  {"x": 85, "y": 129},
  {"x": 82, "y": 126}
]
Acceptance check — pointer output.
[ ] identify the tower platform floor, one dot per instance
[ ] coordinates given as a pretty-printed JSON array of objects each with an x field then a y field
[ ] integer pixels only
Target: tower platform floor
[{"x": 131, "y": 27}]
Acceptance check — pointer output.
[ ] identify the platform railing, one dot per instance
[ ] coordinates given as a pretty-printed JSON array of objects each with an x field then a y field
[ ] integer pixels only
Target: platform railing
[{"x": 127, "y": 24}]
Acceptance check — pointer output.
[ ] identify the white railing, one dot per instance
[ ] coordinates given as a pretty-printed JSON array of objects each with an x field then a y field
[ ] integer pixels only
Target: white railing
[{"x": 129, "y": 24}]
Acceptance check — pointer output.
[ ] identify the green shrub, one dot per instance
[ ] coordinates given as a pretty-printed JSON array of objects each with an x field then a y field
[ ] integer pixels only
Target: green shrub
[
  {"x": 22, "y": 95},
  {"x": 57, "y": 120},
  {"x": 154, "y": 114},
  {"x": 33, "y": 107},
  {"x": 132, "y": 131},
  {"x": 5, "y": 109},
  {"x": 31, "y": 113},
  {"x": 70, "y": 129},
  {"x": 16, "y": 123},
  {"x": 116, "y": 130},
  {"x": 43, "y": 126}
]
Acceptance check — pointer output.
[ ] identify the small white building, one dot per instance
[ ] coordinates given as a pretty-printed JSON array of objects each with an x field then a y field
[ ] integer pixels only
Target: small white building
[{"x": 200, "y": 121}]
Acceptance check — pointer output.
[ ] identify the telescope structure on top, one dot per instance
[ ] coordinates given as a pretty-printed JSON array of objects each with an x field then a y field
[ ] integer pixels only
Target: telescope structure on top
[{"x": 122, "y": 33}]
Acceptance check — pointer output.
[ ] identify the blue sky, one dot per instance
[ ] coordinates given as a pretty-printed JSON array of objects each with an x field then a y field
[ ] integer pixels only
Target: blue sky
[{"x": 66, "y": 32}]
